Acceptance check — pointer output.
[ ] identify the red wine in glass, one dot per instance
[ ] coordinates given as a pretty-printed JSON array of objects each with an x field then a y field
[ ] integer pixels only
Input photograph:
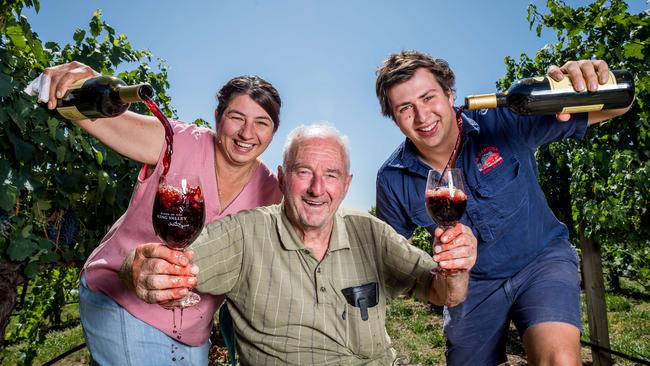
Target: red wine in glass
[
  {"x": 445, "y": 198},
  {"x": 444, "y": 207},
  {"x": 178, "y": 216}
]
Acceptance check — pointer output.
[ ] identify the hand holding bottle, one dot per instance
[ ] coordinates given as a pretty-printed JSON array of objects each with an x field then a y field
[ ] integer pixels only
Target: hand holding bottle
[
  {"x": 62, "y": 76},
  {"x": 584, "y": 74},
  {"x": 577, "y": 86},
  {"x": 76, "y": 92}
]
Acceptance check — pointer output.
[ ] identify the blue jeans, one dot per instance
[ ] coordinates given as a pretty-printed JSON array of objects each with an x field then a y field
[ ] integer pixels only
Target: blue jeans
[
  {"x": 546, "y": 290},
  {"x": 115, "y": 337}
]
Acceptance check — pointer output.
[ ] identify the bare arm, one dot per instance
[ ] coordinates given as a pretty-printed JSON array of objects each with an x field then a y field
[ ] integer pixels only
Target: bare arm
[
  {"x": 449, "y": 289},
  {"x": 132, "y": 135},
  {"x": 586, "y": 74},
  {"x": 455, "y": 252}
]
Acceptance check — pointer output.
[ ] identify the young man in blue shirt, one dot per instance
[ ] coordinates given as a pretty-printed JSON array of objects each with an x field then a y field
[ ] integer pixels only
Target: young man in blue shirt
[{"x": 526, "y": 270}]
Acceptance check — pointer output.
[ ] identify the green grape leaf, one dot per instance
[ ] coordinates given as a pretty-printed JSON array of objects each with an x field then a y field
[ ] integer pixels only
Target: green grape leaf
[
  {"x": 6, "y": 85},
  {"x": 31, "y": 269},
  {"x": 16, "y": 35},
  {"x": 21, "y": 248}
]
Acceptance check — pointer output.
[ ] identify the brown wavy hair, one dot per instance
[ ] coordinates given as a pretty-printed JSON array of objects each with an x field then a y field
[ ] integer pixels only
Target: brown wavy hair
[{"x": 400, "y": 67}]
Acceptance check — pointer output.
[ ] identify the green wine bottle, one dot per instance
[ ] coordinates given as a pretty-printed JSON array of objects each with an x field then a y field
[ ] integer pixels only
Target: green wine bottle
[
  {"x": 100, "y": 97},
  {"x": 543, "y": 95}
]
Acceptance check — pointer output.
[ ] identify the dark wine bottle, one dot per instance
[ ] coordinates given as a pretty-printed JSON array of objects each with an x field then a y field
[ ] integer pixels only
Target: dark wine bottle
[
  {"x": 100, "y": 97},
  {"x": 543, "y": 95}
]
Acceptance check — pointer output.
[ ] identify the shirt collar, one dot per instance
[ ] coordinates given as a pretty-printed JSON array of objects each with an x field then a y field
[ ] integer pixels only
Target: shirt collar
[
  {"x": 290, "y": 240},
  {"x": 339, "y": 238},
  {"x": 470, "y": 127}
]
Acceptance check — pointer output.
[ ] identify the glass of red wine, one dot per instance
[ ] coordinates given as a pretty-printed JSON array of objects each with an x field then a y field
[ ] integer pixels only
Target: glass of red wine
[
  {"x": 445, "y": 198},
  {"x": 178, "y": 215}
]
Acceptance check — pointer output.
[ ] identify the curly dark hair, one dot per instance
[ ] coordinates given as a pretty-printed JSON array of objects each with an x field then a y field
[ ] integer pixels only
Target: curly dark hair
[
  {"x": 400, "y": 67},
  {"x": 260, "y": 90}
]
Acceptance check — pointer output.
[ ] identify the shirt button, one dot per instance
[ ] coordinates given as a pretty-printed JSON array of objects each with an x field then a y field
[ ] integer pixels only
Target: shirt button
[
  {"x": 318, "y": 270},
  {"x": 322, "y": 289}
]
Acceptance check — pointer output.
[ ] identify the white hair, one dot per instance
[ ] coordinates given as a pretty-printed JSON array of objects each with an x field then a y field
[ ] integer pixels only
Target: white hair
[{"x": 316, "y": 130}]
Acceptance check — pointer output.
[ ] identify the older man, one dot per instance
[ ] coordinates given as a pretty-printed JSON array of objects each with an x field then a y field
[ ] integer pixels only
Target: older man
[{"x": 307, "y": 282}]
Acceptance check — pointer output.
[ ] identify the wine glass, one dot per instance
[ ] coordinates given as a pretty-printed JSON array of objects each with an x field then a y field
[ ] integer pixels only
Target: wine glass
[
  {"x": 178, "y": 215},
  {"x": 445, "y": 198}
]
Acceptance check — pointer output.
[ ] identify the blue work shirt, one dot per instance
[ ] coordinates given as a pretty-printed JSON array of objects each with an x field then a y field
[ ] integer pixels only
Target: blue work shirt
[{"x": 506, "y": 207}]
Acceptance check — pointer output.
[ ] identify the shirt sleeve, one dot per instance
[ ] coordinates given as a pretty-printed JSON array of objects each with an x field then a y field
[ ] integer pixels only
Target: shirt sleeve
[
  {"x": 536, "y": 131},
  {"x": 388, "y": 208},
  {"x": 219, "y": 253},
  {"x": 406, "y": 267}
]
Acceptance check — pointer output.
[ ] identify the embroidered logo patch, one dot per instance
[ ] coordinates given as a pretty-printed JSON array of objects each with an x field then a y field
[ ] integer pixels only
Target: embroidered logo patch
[{"x": 488, "y": 158}]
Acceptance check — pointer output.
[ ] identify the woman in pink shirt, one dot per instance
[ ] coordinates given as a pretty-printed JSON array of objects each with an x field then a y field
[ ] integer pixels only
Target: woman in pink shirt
[{"x": 121, "y": 329}]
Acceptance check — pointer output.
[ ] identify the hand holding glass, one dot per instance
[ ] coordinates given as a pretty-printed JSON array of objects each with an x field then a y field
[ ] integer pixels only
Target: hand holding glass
[
  {"x": 445, "y": 198},
  {"x": 178, "y": 215}
]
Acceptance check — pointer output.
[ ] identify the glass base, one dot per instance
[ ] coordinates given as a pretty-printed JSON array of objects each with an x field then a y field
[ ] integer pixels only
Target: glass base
[{"x": 187, "y": 302}]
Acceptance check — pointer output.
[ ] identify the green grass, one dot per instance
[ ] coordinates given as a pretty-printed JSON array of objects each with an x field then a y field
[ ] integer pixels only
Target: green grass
[
  {"x": 415, "y": 330},
  {"x": 56, "y": 342},
  {"x": 630, "y": 332}
]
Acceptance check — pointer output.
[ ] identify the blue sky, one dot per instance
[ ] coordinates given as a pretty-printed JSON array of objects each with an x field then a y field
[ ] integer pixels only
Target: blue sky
[{"x": 321, "y": 55}]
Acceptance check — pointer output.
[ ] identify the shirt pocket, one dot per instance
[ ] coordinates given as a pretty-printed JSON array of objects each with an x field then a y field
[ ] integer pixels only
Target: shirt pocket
[
  {"x": 502, "y": 197},
  {"x": 366, "y": 338}
]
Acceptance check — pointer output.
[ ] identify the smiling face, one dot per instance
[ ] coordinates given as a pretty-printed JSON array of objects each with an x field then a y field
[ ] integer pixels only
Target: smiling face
[
  {"x": 424, "y": 113},
  {"x": 314, "y": 183},
  {"x": 244, "y": 131}
]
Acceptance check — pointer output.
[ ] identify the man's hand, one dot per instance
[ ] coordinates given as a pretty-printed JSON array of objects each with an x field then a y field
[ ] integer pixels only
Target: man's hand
[
  {"x": 455, "y": 251},
  {"x": 584, "y": 74},
  {"x": 455, "y": 248},
  {"x": 158, "y": 274}
]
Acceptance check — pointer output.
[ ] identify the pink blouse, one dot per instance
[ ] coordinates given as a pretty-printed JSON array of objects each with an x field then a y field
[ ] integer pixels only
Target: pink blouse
[{"x": 193, "y": 153}]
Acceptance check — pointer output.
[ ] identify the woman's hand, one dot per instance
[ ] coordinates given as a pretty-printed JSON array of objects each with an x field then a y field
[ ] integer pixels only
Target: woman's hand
[{"x": 62, "y": 76}]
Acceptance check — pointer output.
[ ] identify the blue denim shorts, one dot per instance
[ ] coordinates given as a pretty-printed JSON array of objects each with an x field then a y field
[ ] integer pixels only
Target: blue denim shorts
[
  {"x": 546, "y": 290},
  {"x": 115, "y": 337}
]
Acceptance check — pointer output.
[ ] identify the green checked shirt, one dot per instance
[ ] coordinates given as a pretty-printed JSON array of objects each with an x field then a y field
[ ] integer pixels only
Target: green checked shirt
[{"x": 287, "y": 307}]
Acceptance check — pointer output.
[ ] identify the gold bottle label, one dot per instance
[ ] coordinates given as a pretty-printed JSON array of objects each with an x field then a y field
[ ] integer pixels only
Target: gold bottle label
[
  {"x": 583, "y": 108},
  {"x": 565, "y": 84},
  {"x": 71, "y": 113},
  {"x": 77, "y": 84}
]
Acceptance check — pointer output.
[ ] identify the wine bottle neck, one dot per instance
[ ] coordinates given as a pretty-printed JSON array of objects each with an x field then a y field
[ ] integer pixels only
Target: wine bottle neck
[
  {"x": 501, "y": 100},
  {"x": 135, "y": 93},
  {"x": 481, "y": 101}
]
